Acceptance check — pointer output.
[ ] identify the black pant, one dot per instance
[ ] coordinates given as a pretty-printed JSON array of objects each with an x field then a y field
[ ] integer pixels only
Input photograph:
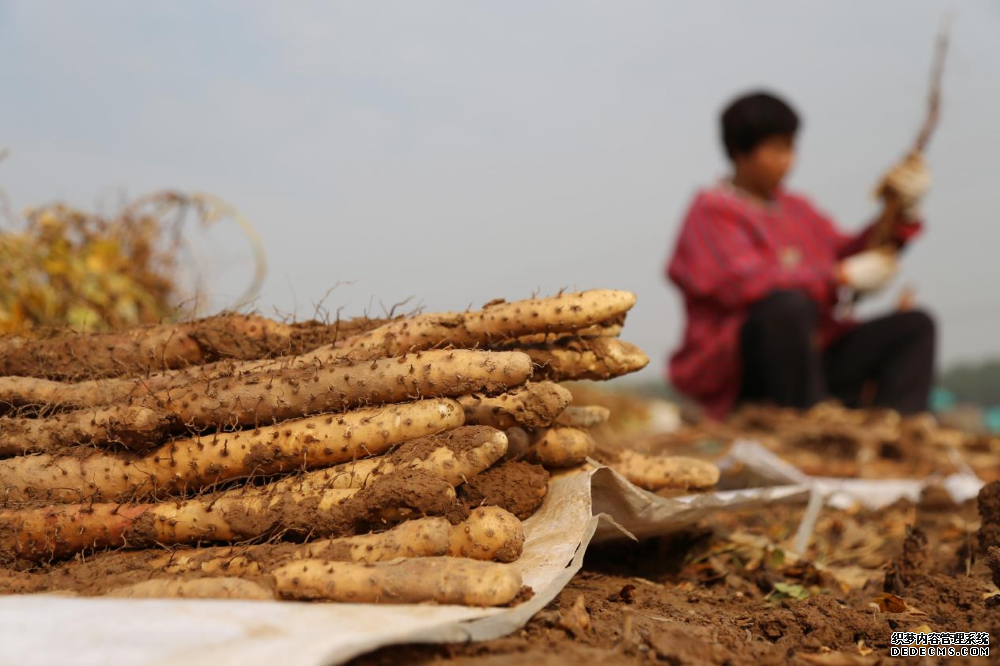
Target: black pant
[{"x": 783, "y": 364}]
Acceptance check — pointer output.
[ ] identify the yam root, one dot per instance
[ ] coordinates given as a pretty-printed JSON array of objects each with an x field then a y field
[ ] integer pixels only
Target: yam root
[
  {"x": 586, "y": 416},
  {"x": 515, "y": 486},
  {"x": 659, "y": 472},
  {"x": 144, "y": 348},
  {"x": 456, "y": 455},
  {"x": 271, "y": 397},
  {"x": 443, "y": 580},
  {"x": 197, "y": 588},
  {"x": 497, "y": 321},
  {"x": 562, "y": 447},
  {"x": 489, "y": 533},
  {"x": 131, "y": 426},
  {"x": 534, "y": 405},
  {"x": 589, "y": 313},
  {"x": 610, "y": 329},
  {"x": 190, "y": 464},
  {"x": 594, "y": 358},
  {"x": 518, "y": 443},
  {"x": 38, "y": 534}
]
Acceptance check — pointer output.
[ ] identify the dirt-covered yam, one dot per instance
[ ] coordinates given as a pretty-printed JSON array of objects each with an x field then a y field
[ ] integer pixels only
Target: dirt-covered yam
[
  {"x": 586, "y": 358},
  {"x": 76, "y": 355},
  {"x": 562, "y": 447},
  {"x": 189, "y": 464},
  {"x": 659, "y": 472},
  {"x": 489, "y": 533},
  {"x": 497, "y": 321},
  {"x": 443, "y": 580},
  {"x": 456, "y": 455},
  {"x": 515, "y": 486},
  {"x": 197, "y": 588},
  {"x": 534, "y": 405}
]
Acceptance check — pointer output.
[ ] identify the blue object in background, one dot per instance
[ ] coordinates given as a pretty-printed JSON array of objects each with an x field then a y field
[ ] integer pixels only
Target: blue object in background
[
  {"x": 991, "y": 419},
  {"x": 942, "y": 399}
]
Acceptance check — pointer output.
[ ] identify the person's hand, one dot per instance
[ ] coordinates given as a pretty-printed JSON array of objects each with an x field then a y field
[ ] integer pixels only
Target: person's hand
[
  {"x": 868, "y": 271},
  {"x": 908, "y": 181}
]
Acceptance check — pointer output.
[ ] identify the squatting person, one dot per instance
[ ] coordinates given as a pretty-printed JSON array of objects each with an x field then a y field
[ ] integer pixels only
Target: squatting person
[{"x": 762, "y": 273}]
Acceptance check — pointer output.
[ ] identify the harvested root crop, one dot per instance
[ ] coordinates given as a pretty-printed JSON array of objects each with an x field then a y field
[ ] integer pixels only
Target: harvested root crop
[
  {"x": 54, "y": 532},
  {"x": 190, "y": 464},
  {"x": 145, "y": 348},
  {"x": 456, "y": 455},
  {"x": 268, "y": 398},
  {"x": 198, "y": 588},
  {"x": 515, "y": 486},
  {"x": 659, "y": 472},
  {"x": 489, "y": 533},
  {"x": 592, "y": 358},
  {"x": 443, "y": 580},
  {"x": 562, "y": 447},
  {"x": 496, "y": 322},
  {"x": 534, "y": 405}
]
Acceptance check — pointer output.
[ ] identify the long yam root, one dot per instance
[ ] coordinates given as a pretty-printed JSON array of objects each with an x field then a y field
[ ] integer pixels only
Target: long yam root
[
  {"x": 144, "y": 348},
  {"x": 659, "y": 472},
  {"x": 190, "y": 464},
  {"x": 456, "y": 455},
  {"x": 198, "y": 588},
  {"x": 420, "y": 537},
  {"x": 534, "y": 405},
  {"x": 267, "y": 398},
  {"x": 589, "y": 313},
  {"x": 443, "y": 580},
  {"x": 595, "y": 358},
  {"x": 54, "y": 532},
  {"x": 562, "y": 447},
  {"x": 496, "y": 322}
]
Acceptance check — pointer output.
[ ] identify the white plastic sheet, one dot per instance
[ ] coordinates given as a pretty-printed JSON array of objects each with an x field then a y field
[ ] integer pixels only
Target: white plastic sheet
[{"x": 597, "y": 505}]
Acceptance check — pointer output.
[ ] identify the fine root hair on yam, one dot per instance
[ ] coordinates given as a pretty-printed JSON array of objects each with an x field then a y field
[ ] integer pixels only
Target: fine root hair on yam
[
  {"x": 489, "y": 533},
  {"x": 594, "y": 358},
  {"x": 443, "y": 580},
  {"x": 584, "y": 416},
  {"x": 456, "y": 455},
  {"x": 660, "y": 472},
  {"x": 190, "y": 464},
  {"x": 534, "y": 405},
  {"x": 562, "y": 447}
]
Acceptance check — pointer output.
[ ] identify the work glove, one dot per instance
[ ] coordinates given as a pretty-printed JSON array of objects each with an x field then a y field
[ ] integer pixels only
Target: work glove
[
  {"x": 868, "y": 271},
  {"x": 908, "y": 181}
]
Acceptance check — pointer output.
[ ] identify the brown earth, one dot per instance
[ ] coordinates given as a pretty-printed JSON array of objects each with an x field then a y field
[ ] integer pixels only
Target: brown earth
[{"x": 727, "y": 592}]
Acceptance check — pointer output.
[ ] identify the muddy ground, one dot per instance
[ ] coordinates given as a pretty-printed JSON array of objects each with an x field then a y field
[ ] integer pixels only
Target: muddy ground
[{"x": 729, "y": 592}]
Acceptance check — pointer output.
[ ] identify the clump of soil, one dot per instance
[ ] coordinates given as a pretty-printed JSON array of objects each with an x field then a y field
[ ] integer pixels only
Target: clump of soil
[
  {"x": 989, "y": 512},
  {"x": 910, "y": 565},
  {"x": 516, "y": 486}
]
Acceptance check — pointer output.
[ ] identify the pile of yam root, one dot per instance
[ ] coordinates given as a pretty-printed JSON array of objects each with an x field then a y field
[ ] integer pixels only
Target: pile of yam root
[{"x": 368, "y": 461}]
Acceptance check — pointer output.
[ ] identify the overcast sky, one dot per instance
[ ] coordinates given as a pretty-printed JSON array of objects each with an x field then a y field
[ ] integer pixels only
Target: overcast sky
[{"x": 460, "y": 151}]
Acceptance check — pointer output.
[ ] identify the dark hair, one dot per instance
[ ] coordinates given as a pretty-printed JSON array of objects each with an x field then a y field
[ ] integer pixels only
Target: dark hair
[{"x": 751, "y": 119}]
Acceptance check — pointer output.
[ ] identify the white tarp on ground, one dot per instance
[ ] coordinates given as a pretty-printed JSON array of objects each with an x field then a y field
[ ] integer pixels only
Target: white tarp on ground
[{"x": 593, "y": 506}]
